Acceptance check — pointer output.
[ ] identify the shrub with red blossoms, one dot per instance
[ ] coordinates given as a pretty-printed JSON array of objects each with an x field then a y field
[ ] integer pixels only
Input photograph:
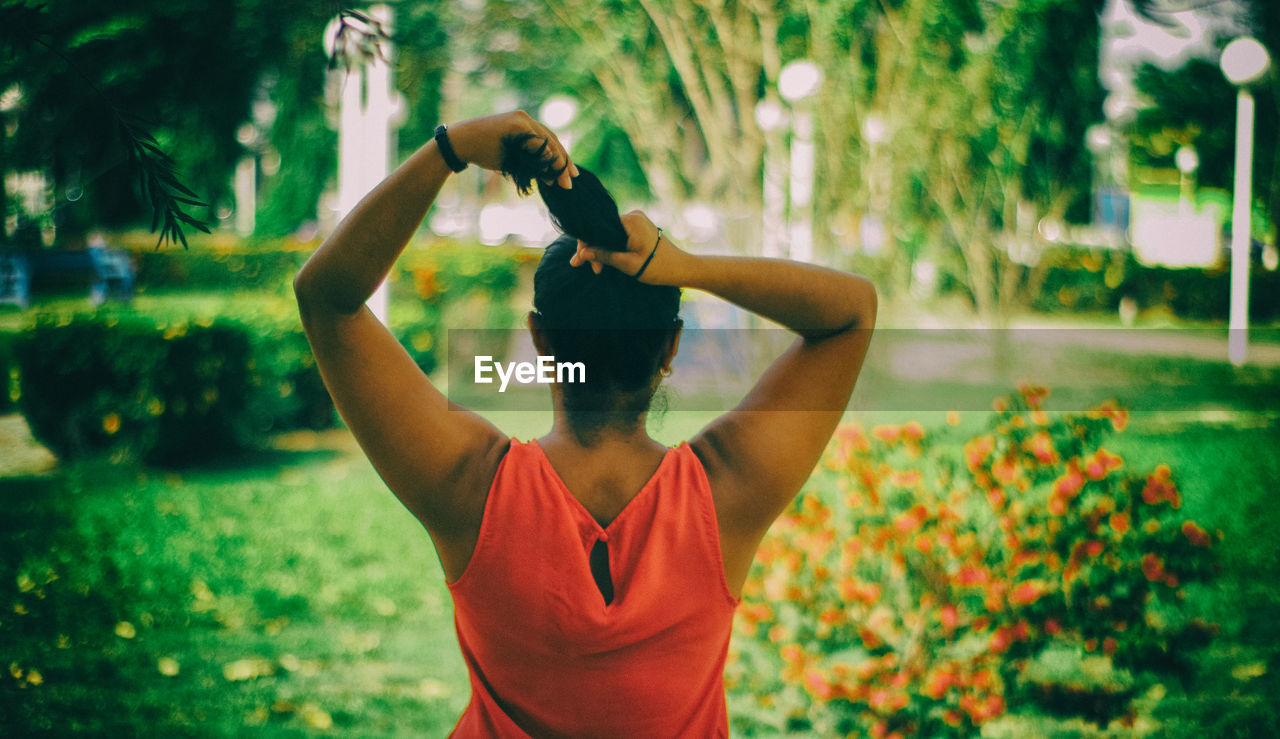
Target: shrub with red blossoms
[{"x": 911, "y": 590}]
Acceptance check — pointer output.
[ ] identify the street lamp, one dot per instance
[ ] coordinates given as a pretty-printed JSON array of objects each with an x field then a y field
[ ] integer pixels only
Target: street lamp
[
  {"x": 1244, "y": 61},
  {"x": 557, "y": 112},
  {"x": 797, "y": 83}
]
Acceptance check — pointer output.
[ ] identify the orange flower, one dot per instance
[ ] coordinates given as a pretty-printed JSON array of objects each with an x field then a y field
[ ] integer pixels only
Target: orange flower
[
  {"x": 1026, "y": 593},
  {"x": 970, "y": 576},
  {"x": 906, "y": 478},
  {"x": 887, "y": 433},
  {"x": 938, "y": 684},
  {"x": 1160, "y": 488},
  {"x": 1057, "y": 504},
  {"x": 1040, "y": 445},
  {"x": 1152, "y": 567},
  {"x": 913, "y": 431},
  {"x": 949, "y": 617},
  {"x": 976, "y": 450},
  {"x": 1005, "y": 470},
  {"x": 1119, "y": 523},
  {"x": 953, "y": 418},
  {"x": 1034, "y": 394},
  {"x": 1069, "y": 484},
  {"x": 1001, "y": 638},
  {"x": 1196, "y": 535}
]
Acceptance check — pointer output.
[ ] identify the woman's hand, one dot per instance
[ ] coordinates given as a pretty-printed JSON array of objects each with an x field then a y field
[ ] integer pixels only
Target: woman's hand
[
  {"x": 478, "y": 141},
  {"x": 666, "y": 267}
]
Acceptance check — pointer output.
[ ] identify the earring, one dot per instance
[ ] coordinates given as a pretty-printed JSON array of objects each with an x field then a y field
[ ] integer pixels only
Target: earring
[{"x": 666, "y": 372}]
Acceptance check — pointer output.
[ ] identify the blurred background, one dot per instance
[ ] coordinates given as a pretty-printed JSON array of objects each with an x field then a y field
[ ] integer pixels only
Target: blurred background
[{"x": 1068, "y": 208}]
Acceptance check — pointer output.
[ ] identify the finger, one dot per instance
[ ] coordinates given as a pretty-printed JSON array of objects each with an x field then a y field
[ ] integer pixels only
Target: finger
[{"x": 562, "y": 160}]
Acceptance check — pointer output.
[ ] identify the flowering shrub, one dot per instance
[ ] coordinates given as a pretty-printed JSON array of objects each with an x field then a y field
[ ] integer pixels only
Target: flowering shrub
[{"x": 914, "y": 591}]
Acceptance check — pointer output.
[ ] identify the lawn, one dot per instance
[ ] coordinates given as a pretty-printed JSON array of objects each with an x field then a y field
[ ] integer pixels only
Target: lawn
[{"x": 288, "y": 590}]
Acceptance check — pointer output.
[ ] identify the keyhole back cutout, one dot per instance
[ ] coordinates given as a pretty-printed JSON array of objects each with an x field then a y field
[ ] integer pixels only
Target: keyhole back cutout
[{"x": 599, "y": 560}]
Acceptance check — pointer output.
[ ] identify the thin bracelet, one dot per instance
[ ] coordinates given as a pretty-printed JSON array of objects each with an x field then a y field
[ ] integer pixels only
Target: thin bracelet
[{"x": 645, "y": 266}]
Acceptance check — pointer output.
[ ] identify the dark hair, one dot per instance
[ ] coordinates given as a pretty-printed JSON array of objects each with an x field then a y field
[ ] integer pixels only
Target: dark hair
[{"x": 618, "y": 327}]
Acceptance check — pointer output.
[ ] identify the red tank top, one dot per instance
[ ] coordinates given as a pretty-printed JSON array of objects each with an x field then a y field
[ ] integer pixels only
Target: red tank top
[{"x": 547, "y": 657}]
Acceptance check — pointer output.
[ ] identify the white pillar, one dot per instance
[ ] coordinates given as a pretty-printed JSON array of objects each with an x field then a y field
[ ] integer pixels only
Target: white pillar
[
  {"x": 802, "y": 186},
  {"x": 364, "y": 136},
  {"x": 1241, "y": 229},
  {"x": 246, "y": 195}
]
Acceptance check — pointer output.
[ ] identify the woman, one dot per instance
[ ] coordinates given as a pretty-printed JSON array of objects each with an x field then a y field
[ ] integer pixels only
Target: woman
[{"x": 594, "y": 571}]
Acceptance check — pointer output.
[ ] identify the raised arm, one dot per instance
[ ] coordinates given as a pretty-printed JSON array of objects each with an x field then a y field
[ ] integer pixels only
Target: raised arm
[
  {"x": 758, "y": 455},
  {"x": 437, "y": 459}
]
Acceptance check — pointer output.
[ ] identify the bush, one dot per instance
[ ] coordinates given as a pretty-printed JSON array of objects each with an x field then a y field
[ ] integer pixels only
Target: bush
[
  {"x": 136, "y": 389},
  {"x": 1097, "y": 279},
  {"x": 914, "y": 592},
  {"x": 218, "y": 269},
  {"x": 9, "y": 388}
]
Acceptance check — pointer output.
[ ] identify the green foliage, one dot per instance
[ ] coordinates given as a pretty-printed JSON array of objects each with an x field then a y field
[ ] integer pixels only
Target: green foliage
[
  {"x": 213, "y": 268},
  {"x": 1096, "y": 280},
  {"x": 9, "y": 374},
  {"x": 911, "y": 591},
  {"x": 137, "y": 389}
]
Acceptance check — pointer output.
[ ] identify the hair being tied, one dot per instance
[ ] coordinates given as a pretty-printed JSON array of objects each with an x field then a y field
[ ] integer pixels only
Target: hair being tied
[{"x": 620, "y": 328}]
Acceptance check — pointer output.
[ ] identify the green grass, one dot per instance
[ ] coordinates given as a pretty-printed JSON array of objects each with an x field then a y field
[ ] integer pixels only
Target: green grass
[
  {"x": 289, "y": 590},
  {"x": 292, "y": 592}
]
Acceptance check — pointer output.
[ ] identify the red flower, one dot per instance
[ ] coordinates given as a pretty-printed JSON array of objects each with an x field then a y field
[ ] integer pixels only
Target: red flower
[
  {"x": 1052, "y": 627},
  {"x": 1109, "y": 646},
  {"x": 913, "y": 431}
]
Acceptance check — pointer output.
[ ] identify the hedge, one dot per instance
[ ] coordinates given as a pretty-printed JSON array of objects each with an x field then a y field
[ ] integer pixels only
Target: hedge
[
  {"x": 137, "y": 389},
  {"x": 1097, "y": 279}
]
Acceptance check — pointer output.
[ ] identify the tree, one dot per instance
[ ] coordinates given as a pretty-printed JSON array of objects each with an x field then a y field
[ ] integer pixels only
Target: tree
[
  {"x": 140, "y": 90},
  {"x": 984, "y": 107}
]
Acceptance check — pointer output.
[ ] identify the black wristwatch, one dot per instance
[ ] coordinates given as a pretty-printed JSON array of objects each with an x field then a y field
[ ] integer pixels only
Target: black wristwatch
[{"x": 446, "y": 149}]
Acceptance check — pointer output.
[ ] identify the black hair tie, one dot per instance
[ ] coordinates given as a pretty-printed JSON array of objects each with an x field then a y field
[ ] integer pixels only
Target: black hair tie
[{"x": 645, "y": 266}]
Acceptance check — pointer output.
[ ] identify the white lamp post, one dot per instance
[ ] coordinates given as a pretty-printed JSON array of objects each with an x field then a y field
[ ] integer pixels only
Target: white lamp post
[
  {"x": 1187, "y": 160},
  {"x": 1244, "y": 62},
  {"x": 771, "y": 119},
  {"x": 558, "y": 112},
  {"x": 797, "y": 82}
]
